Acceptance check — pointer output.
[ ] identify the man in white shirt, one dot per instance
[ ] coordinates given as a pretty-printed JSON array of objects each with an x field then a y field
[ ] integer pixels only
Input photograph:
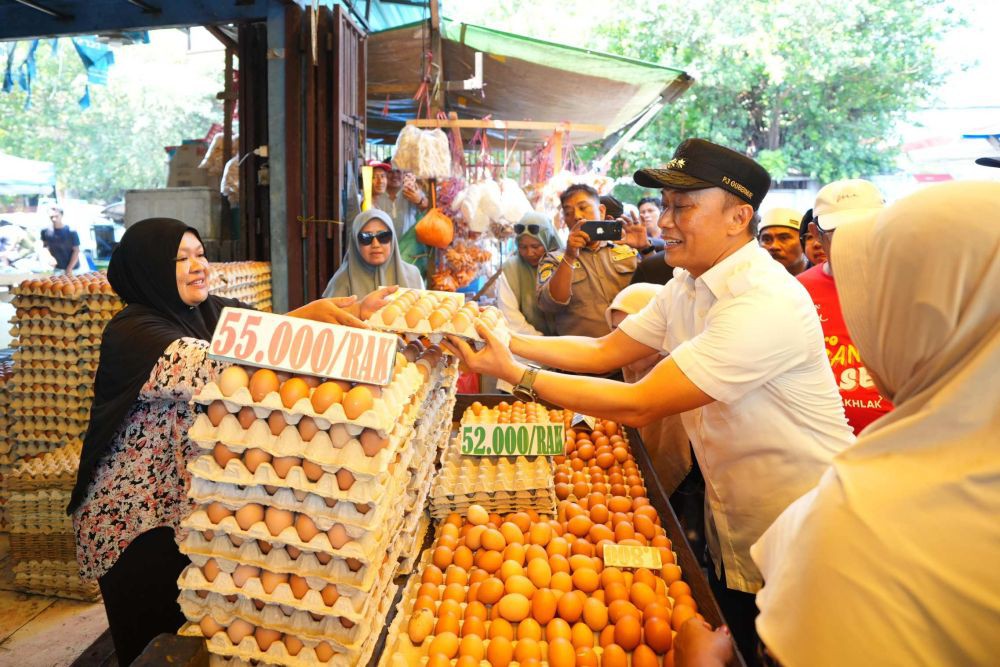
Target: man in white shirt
[{"x": 747, "y": 368}]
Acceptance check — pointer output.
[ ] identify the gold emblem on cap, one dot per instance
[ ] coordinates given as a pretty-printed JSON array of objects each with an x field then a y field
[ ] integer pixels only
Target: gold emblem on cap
[{"x": 676, "y": 163}]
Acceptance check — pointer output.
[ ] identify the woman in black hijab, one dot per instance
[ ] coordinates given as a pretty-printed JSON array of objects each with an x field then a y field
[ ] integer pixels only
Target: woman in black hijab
[{"x": 130, "y": 493}]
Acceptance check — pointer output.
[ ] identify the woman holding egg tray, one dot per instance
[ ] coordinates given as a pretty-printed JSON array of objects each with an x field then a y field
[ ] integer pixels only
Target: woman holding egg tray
[
  {"x": 372, "y": 258},
  {"x": 130, "y": 493}
]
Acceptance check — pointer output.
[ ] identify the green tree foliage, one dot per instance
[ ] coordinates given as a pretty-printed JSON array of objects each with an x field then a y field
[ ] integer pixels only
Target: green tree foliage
[
  {"x": 118, "y": 142},
  {"x": 809, "y": 88}
]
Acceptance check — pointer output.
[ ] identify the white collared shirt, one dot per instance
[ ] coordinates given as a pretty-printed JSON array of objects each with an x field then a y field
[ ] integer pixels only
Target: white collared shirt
[{"x": 746, "y": 333}]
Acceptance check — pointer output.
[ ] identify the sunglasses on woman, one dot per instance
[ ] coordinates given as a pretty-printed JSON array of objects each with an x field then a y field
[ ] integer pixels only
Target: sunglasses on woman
[
  {"x": 366, "y": 238},
  {"x": 531, "y": 229}
]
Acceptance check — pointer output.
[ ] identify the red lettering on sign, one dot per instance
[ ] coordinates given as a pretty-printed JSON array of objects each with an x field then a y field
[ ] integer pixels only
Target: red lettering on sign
[{"x": 355, "y": 347}]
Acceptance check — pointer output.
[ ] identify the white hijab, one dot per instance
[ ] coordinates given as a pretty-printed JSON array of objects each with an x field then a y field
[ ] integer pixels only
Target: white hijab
[{"x": 894, "y": 558}]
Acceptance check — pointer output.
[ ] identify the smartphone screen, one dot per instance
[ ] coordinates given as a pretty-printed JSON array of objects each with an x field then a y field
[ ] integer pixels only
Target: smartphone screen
[{"x": 602, "y": 230}]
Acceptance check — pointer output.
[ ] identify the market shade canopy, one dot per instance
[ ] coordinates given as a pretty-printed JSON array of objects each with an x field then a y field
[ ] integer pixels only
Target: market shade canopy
[
  {"x": 524, "y": 79},
  {"x": 20, "y": 176}
]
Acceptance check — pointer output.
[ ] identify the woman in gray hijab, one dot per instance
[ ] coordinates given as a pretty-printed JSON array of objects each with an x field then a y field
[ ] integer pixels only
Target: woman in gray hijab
[{"x": 372, "y": 260}]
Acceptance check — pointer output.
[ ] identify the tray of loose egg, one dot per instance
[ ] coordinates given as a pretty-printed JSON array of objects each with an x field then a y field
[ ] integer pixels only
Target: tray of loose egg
[
  {"x": 309, "y": 495},
  {"x": 416, "y": 312},
  {"x": 526, "y": 587}
]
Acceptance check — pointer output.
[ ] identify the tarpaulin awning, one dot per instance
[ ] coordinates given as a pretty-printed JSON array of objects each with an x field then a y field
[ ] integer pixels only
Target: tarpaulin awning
[
  {"x": 20, "y": 176},
  {"x": 524, "y": 79}
]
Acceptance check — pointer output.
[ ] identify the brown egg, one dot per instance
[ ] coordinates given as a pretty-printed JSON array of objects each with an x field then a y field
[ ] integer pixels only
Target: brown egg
[
  {"x": 217, "y": 512},
  {"x": 305, "y": 527},
  {"x": 323, "y": 651},
  {"x": 298, "y": 585},
  {"x": 244, "y": 572},
  {"x": 277, "y": 520},
  {"x": 265, "y": 637},
  {"x": 438, "y": 318},
  {"x": 338, "y": 536},
  {"x": 358, "y": 401},
  {"x": 216, "y": 411},
  {"x": 223, "y": 454},
  {"x": 263, "y": 382},
  {"x": 283, "y": 464},
  {"x": 326, "y": 395},
  {"x": 292, "y": 391},
  {"x": 371, "y": 442},
  {"x": 461, "y": 321},
  {"x": 248, "y": 515},
  {"x": 209, "y": 628},
  {"x": 390, "y": 313},
  {"x": 330, "y": 595},
  {"x": 293, "y": 645},
  {"x": 239, "y": 629},
  {"x": 312, "y": 471},
  {"x": 307, "y": 428},
  {"x": 339, "y": 435},
  {"x": 276, "y": 422},
  {"x": 253, "y": 457},
  {"x": 210, "y": 570},
  {"x": 293, "y": 552},
  {"x": 271, "y": 580},
  {"x": 345, "y": 479},
  {"x": 246, "y": 417},
  {"x": 232, "y": 379}
]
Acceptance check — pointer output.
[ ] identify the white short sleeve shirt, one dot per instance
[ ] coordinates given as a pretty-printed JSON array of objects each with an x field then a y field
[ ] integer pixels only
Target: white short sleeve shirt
[{"x": 746, "y": 333}]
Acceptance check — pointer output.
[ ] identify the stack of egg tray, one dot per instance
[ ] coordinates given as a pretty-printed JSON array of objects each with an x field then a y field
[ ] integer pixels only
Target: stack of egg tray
[
  {"x": 344, "y": 591},
  {"x": 42, "y": 541},
  {"x": 250, "y": 282},
  {"x": 6, "y": 371},
  {"x": 57, "y": 330}
]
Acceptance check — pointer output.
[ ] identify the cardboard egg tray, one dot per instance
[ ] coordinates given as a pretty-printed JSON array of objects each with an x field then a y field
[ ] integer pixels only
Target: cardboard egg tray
[
  {"x": 320, "y": 450},
  {"x": 57, "y": 343},
  {"x": 248, "y": 650},
  {"x": 54, "y": 578},
  {"x": 542, "y": 504},
  {"x": 58, "y": 465},
  {"x": 69, "y": 306},
  {"x": 423, "y": 328},
  {"x": 60, "y": 402},
  {"x": 40, "y": 511},
  {"x": 465, "y": 475},
  {"x": 84, "y": 357},
  {"x": 386, "y": 410},
  {"x": 45, "y": 317},
  {"x": 59, "y": 329},
  {"x": 79, "y": 387}
]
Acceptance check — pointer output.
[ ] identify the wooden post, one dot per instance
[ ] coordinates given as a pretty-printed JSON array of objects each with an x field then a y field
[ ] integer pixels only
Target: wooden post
[
  {"x": 437, "y": 72},
  {"x": 557, "y": 152}
]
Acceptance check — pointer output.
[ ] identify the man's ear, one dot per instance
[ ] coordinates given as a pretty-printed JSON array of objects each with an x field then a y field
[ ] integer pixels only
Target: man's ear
[
  {"x": 739, "y": 222},
  {"x": 603, "y": 210}
]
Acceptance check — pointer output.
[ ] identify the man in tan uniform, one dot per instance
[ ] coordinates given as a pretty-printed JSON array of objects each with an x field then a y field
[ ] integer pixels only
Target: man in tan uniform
[{"x": 578, "y": 285}]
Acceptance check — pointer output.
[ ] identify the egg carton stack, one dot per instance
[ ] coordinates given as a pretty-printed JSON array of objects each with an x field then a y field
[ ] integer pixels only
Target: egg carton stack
[
  {"x": 6, "y": 373},
  {"x": 416, "y": 312},
  {"x": 250, "y": 282},
  {"x": 309, "y": 496},
  {"x": 42, "y": 542},
  {"x": 57, "y": 329},
  {"x": 501, "y": 484}
]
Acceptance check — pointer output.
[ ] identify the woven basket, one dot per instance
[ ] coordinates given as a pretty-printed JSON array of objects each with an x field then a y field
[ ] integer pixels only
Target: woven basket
[{"x": 36, "y": 546}]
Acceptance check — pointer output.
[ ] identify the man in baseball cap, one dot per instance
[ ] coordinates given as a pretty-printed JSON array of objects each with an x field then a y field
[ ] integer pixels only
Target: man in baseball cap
[
  {"x": 837, "y": 204},
  {"x": 779, "y": 235},
  {"x": 744, "y": 366}
]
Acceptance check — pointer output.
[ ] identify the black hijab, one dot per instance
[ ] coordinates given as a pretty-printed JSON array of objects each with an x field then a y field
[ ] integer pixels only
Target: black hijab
[{"x": 142, "y": 272}]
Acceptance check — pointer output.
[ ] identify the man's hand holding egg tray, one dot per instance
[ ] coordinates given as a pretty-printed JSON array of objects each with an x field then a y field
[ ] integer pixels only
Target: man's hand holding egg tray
[{"x": 414, "y": 313}]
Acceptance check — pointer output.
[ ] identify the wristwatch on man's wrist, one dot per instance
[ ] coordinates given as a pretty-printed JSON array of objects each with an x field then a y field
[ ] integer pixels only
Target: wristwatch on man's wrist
[{"x": 524, "y": 391}]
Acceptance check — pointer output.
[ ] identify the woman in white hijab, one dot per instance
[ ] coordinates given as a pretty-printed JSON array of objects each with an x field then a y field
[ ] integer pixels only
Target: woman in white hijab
[{"x": 893, "y": 558}]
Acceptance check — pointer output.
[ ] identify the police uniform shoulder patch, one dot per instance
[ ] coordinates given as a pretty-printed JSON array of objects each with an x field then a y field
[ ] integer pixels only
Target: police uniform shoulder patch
[
  {"x": 548, "y": 265},
  {"x": 620, "y": 252}
]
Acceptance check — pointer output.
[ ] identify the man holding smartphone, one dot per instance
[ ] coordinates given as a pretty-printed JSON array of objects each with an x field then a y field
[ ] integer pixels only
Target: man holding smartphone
[{"x": 577, "y": 286}]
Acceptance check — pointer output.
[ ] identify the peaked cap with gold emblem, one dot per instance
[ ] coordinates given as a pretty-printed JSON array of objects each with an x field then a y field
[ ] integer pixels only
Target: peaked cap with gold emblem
[{"x": 698, "y": 164}]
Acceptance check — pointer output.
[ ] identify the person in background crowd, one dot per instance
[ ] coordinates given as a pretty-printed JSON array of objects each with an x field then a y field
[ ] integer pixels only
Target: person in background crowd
[
  {"x": 860, "y": 542},
  {"x": 836, "y": 204},
  {"x": 779, "y": 235},
  {"x": 372, "y": 260},
  {"x": 577, "y": 285},
  {"x": 517, "y": 286},
  {"x": 649, "y": 213},
  {"x": 398, "y": 194},
  {"x": 129, "y": 496},
  {"x": 15, "y": 243},
  {"x": 613, "y": 209},
  {"x": 746, "y": 369},
  {"x": 62, "y": 242},
  {"x": 810, "y": 244},
  {"x": 665, "y": 439}
]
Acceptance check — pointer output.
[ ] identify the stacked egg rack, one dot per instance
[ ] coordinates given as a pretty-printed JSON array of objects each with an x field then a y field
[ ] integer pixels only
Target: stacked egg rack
[
  {"x": 250, "y": 282},
  {"x": 309, "y": 497},
  {"x": 41, "y": 533},
  {"x": 500, "y": 484},
  {"x": 535, "y": 589},
  {"x": 417, "y": 312},
  {"x": 6, "y": 373}
]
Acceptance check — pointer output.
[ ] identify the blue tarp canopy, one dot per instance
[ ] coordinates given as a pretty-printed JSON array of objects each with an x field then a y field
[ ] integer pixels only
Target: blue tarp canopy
[{"x": 20, "y": 176}]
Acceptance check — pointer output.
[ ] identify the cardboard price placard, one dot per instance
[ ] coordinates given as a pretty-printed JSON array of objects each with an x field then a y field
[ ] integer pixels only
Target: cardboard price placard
[
  {"x": 303, "y": 346},
  {"x": 513, "y": 440},
  {"x": 624, "y": 555}
]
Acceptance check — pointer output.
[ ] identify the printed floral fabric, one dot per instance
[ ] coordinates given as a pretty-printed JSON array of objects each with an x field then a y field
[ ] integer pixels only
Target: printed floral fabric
[{"x": 143, "y": 482}]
